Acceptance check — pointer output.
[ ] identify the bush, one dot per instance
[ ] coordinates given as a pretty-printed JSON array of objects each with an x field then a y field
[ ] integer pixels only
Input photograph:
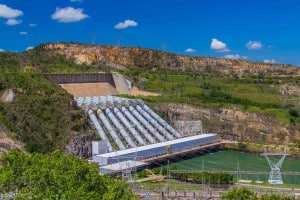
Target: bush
[{"x": 57, "y": 176}]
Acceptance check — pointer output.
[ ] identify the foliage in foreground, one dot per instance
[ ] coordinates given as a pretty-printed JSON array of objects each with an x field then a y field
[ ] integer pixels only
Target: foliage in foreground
[
  {"x": 247, "y": 194},
  {"x": 56, "y": 176}
]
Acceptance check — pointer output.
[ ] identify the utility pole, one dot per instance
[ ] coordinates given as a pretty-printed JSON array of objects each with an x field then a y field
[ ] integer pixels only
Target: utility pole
[
  {"x": 238, "y": 175},
  {"x": 168, "y": 177},
  {"x": 202, "y": 181}
]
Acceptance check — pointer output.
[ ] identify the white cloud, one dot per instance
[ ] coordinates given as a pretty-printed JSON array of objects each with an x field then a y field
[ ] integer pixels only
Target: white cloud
[
  {"x": 68, "y": 14},
  {"x": 23, "y": 33},
  {"x": 272, "y": 61},
  {"x": 7, "y": 12},
  {"x": 12, "y": 22},
  {"x": 29, "y": 48},
  {"x": 32, "y": 24},
  {"x": 218, "y": 46},
  {"x": 127, "y": 23},
  {"x": 232, "y": 56},
  {"x": 235, "y": 56},
  {"x": 190, "y": 50},
  {"x": 254, "y": 45},
  {"x": 2, "y": 50}
]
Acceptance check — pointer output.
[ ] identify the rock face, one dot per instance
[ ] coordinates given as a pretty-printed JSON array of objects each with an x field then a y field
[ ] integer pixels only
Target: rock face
[
  {"x": 80, "y": 146},
  {"x": 233, "y": 124},
  {"x": 8, "y": 96},
  {"x": 124, "y": 57},
  {"x": 7, "y": 143}
]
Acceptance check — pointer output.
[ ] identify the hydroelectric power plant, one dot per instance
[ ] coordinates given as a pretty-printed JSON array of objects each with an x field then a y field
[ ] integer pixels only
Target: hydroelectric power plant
[
  {"x": 131, "y": 131},
  {"x": 131, "y": 134}
]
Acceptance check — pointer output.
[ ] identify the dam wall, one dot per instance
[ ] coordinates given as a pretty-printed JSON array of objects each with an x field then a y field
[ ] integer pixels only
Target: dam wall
[{"x": 82, "y": 78}]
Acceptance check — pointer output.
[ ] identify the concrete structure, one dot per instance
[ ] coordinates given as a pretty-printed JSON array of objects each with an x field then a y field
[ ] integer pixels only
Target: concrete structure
[
  {"x": 162, "y": 148},
  {"x": 126, "y": 123},
  {"x": 135, "y": 133},
  {"x": 82, "y": 78}
]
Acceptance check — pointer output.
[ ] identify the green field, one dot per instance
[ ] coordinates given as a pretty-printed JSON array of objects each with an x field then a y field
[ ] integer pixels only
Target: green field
[{"x": 229, "y": 161}]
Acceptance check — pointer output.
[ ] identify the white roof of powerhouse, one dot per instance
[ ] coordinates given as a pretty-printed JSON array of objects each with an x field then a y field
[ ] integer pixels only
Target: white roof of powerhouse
[
  {"x": 156, "y": 145},
  {"x": 123, "y": 165}
]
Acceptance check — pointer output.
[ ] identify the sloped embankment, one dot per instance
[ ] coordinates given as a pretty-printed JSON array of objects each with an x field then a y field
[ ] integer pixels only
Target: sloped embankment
[
  {"x": 42, "y": 115},
  {"x": 234, "y": 124}
]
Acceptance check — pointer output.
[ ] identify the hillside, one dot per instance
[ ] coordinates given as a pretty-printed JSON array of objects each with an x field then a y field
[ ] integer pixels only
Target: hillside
[
  {"x": 125, "y": 57},
  {"x": 40, "y": 115},
  {"x": 241, "y": 100}
]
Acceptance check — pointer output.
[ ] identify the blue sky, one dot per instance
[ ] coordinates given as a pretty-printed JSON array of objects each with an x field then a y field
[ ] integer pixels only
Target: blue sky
[{"x": 256, "y": 30}]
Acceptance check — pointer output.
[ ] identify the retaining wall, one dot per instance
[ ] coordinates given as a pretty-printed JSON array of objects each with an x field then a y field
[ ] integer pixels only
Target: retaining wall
[{"x": 82, "y": 78}]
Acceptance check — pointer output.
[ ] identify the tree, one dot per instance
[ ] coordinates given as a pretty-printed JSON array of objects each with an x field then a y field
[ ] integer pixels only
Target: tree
[
  {"x": 239, "y": 194},
  {"x": 276, "y": 197},
  {"x": 57, "y": 176}
]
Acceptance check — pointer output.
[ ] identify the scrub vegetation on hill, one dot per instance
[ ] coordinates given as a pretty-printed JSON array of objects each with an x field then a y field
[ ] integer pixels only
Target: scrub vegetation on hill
[
  {"x": 42, "y": 115},
  {"x": 261, "y": 94},
  {"x": 39, "y": 61}
]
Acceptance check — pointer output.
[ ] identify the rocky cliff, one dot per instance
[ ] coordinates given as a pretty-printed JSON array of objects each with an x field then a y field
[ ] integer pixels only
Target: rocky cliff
[
  {"x": 233, "y": 124},
  {"x": 124, "y": 57}
]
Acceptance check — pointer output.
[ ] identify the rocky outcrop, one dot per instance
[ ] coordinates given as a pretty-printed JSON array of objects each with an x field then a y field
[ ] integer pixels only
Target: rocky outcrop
[
  {"x": 124, "y": 57},
  {"x": 80, "y": 146},
  {"x": 233, "y": 124},
  {"x": 8, "y": 96},
  {"x": 6, "y": 143}
]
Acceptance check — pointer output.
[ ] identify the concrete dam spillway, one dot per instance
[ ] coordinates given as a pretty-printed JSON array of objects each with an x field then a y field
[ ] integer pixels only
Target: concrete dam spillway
[{"x": 131, "y": 131}]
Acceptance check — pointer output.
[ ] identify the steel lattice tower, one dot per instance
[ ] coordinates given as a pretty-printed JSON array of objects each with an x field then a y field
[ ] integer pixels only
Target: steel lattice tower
[{"x": 275, "y": 173}]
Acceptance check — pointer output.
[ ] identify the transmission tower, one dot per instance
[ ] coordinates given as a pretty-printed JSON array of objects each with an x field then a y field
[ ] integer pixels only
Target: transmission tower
[
  {"x": 275, "y": 173},
  {"x": 93, "y": 38}
]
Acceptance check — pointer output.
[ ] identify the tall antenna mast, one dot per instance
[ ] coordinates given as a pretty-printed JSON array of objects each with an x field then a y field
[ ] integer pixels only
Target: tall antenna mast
[{"x": 275, "y": 173}]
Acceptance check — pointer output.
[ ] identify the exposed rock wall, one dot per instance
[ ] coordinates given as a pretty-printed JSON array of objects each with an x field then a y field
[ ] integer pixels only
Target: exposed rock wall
[
  {"x": 8, "y": 96},
  {"x": 7, "y": 143},
  {"x": 124, "y": 57},
  {"x": 234, "y": 124},
  {"x": 80, "y": 146}
]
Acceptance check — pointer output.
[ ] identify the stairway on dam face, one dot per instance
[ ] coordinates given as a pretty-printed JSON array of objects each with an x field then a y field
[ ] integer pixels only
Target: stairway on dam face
[{"x": 122, "y": 85}]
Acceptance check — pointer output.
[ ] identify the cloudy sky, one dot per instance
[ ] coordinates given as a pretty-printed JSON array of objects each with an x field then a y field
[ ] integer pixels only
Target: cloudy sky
[{"x": 257, "y": 30}]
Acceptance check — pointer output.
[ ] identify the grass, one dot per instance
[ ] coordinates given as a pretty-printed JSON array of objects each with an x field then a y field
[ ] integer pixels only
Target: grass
[
  {"x": 41, "y": 115},
  {"x": 174, "y": 185},
  {"x": 252, "y": 94}
]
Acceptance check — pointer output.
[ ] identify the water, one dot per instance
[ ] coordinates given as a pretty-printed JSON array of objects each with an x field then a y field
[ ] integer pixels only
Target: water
[{"x": 229, "y": 161}]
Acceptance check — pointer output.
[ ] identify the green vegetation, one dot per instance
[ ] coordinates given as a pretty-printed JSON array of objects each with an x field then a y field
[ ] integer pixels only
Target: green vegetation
[
  {"x": 246, "y": 194},
  {"x": 239, "y": 194},
  {"x": 56, "y": 176},
  {"x": 42, "y": 114},
  {"x": 204, "y": 177},
  {"x": 40, "y": 61},
  {"x": 251, "y": 93},
  {"x": 174, "y": 185}
]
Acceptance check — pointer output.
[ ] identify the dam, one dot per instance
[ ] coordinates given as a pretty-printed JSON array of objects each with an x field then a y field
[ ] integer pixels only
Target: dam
[{"x": 131, "y": 133}]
